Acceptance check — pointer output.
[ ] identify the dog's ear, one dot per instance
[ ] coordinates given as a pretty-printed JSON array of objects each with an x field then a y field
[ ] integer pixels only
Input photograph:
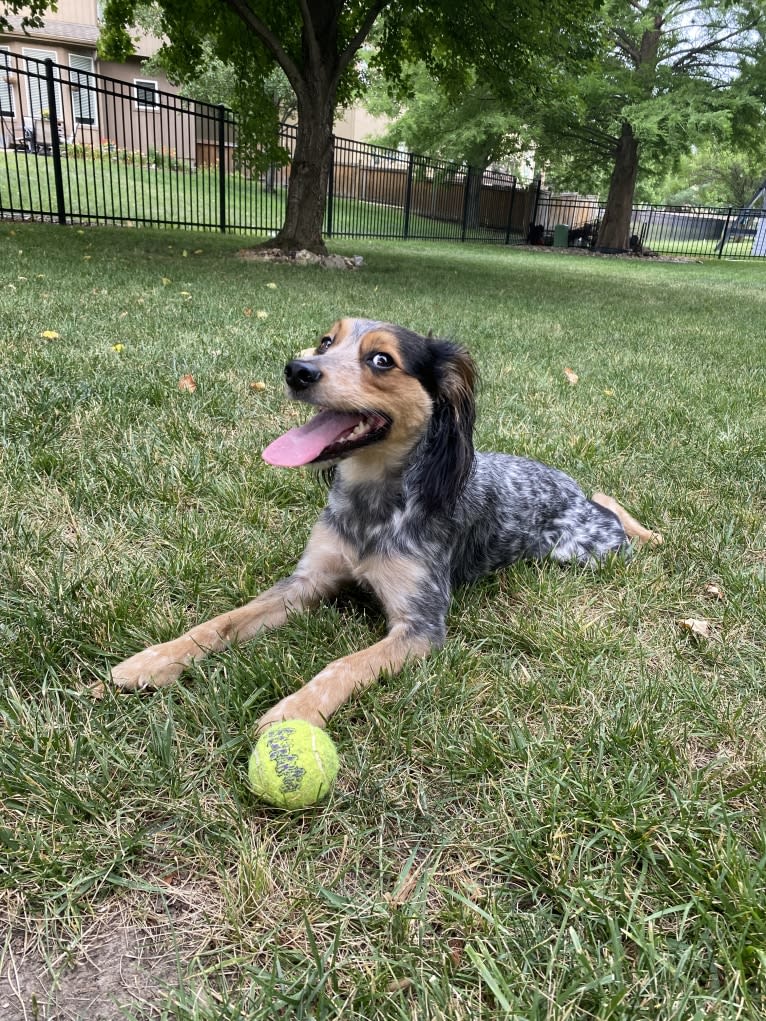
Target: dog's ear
[{"x": 447, "y": 451}]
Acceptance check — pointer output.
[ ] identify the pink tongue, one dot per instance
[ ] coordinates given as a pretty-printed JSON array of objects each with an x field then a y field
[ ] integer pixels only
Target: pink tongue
[{"x": 306, "y": 442}]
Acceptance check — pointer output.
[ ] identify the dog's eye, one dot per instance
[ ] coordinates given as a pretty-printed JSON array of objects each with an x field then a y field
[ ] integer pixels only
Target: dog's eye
[
  {"x": 323, "y": 344},
  {"x": 380, "y": 360}
]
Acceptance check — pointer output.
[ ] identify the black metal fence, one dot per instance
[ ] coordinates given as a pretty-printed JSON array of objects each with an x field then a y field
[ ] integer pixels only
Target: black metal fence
[
  {"x": 79, "y": 147},
  {"x": 701, "y": 231}
]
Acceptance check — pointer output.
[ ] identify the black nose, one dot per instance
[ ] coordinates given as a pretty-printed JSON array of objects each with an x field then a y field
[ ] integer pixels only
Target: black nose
[{"x": 301, "y": 375}]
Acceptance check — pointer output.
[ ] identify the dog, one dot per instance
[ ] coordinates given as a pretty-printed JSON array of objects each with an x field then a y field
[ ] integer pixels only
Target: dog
[{"x": 413, "y": 510}]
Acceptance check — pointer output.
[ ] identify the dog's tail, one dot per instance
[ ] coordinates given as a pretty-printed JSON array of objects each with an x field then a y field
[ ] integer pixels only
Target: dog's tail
[{"x": 633, "y": 528}]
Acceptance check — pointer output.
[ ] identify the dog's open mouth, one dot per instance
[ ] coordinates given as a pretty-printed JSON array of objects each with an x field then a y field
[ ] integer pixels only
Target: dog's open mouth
[{"x": 326, "y": 437}]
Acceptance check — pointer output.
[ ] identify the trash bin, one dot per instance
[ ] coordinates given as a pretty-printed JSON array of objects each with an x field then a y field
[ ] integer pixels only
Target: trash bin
[{"x": 561, "y": 235}]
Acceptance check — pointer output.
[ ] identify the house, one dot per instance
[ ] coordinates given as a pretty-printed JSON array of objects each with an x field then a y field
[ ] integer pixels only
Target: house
[{"x": 90, "y": 95}]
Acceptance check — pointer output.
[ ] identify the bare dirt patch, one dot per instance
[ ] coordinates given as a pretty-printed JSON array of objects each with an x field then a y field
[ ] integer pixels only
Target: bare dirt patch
[{"x": 117, "y": 968}]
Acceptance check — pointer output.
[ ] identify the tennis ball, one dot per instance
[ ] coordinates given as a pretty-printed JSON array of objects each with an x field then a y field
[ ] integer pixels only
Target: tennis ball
[{"x": 293, "y": 764}]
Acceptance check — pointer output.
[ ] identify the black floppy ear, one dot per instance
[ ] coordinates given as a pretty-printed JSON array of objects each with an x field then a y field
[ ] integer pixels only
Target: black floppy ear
[{"x": 447, "y": 451}]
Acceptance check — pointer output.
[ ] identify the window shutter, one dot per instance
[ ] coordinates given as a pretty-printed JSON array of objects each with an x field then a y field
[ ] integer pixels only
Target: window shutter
[
  {"x": 38, "y": 89},
  {"x": 84, "y": 103},
  {"x": 6, "y": 92}
]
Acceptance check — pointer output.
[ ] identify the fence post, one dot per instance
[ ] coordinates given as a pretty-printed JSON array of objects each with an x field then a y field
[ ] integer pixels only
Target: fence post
[
  {"x": 222, "y": 168},
  {"x": 537, "y": 201},
  {"x": 408, "y": 194},
  {"x": 466, "y": 203},
  {"x": 53, "y": 120},
  {"x": 510, "y": 213},
  {"x": 330, "y": 187}
]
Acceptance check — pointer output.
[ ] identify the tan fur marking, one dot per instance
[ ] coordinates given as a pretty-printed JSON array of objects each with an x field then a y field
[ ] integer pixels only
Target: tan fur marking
[
  {"x": 633, "y": 528},
  {"x": 394, "y": 580}
]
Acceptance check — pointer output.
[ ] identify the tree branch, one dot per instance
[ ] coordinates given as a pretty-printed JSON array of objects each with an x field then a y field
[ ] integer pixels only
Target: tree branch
[
  {"x": 314, "y": 53},
  {"x": 626, "y": 44},
  {"x": 246, "y": 15},
  {"x": 685, "y": 57},
  {"x": 358, "y": 38}
]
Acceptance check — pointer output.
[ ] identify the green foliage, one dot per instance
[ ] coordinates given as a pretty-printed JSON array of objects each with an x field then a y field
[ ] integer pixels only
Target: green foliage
[
  {"x": 474, "y": 128},
  {"x": 714, "y": 175},
  {"x": 673, "y": 71},
  {"x": 31, "y": 13}
]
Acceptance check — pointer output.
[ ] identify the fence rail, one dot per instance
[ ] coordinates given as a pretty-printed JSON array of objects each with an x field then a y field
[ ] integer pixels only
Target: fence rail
[{"x": 80, "y": 147}]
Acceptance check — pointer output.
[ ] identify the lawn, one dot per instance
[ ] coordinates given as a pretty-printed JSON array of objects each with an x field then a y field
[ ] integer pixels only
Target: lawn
[{"x": 559, "y": 816}]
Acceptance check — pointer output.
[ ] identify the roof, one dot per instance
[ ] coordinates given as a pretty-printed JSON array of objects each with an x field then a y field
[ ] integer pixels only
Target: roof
[
  {"x": 66, "y": 31},
  {"x": 77, "y": 33}
]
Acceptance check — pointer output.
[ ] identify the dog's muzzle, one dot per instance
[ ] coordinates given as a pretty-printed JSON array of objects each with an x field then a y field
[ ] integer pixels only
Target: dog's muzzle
[{"x": 301, "y": 375}]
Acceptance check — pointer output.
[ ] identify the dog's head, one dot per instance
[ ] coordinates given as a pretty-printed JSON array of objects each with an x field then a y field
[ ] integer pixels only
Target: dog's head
[{"x": 388, "y": 397}]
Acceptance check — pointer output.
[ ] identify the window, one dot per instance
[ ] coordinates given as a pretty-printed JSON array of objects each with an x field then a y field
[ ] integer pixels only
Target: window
[
  {"x": 146, "y": 94},
  {"x": 84, "y": 101},
  {"x": 37, "y": 87},
  {"x": 6, "y": 92}
]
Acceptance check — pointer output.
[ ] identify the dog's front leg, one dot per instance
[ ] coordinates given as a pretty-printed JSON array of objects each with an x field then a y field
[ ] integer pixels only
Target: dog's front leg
[
  {"x": 317, "y": 700},
  {"x": 415, "y": 596},
  {"x": 322, "y": 570}
]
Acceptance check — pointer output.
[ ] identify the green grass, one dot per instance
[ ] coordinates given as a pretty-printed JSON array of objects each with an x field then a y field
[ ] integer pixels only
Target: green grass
[{"x": 560, "y": 815}]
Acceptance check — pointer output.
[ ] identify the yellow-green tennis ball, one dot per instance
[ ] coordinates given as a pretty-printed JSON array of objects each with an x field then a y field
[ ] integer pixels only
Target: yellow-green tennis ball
[{"x": 293, "y": 764}]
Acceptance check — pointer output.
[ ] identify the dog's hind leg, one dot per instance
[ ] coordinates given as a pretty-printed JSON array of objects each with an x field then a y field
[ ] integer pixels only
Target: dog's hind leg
[
  {"x": 633, "y": 528},
  {"x": 321, "y": 572}
]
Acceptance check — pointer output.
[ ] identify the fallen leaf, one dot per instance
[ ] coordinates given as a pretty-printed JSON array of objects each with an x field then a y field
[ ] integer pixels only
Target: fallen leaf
[
  {"x": 258, "y": 385},
  {"x": 696, "y": 627},
  {"x": 247, "y": 312},
  {"x": 87, "y": 258},
  {"x": 185, "y": 294},
  {"x": 184, "y": 253},
  {"x": 166, "y": 281},
  {"x": 399, "y": 985},
  {"x": 262, "y": 314},
  {"x": 198, "y": 251},
  {"x": 572, "y": 377},
  {"x": 608, "y": 393},
  {"x": 187, "y": 383},
  {"x": 50, "y": 335},
  {"x": 119, "y": 348},
  {"x": 272, "y": 286},
  {"x": 714, "y": 591}
]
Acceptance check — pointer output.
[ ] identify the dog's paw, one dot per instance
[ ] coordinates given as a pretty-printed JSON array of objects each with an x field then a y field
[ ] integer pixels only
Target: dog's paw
[
  {"x": 153, "y": 668},
  {"x": 294, "y": 707}
]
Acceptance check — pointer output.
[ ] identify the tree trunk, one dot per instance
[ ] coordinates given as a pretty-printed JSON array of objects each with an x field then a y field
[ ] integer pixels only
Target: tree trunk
[
  {"x": 309, "y": 170},
  {"x": 615, "y": 226},
  {"x": 473, "y": 184}
]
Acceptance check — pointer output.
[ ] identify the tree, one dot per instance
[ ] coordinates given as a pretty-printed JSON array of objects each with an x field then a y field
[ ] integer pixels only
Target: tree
[
  {"x": 668, "y": 73},
  {"x": 315, "y": 42}
]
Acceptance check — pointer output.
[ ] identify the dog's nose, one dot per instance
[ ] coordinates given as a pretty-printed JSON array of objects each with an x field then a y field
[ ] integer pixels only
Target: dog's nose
[{"x": 301, "y": 375}]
